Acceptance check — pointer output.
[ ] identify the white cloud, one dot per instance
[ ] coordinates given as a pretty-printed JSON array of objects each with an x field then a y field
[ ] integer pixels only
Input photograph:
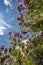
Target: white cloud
[
  {"x": 3, "y": 26},
  {"x": 1, "y": 16},
  {"x": 2, "y": 22},
  {"x": 8, "y": 3},
  {"x": 7, "y": 10},
  {"x": 11, "y": 19},
  {"x": 1, "y": 30}
]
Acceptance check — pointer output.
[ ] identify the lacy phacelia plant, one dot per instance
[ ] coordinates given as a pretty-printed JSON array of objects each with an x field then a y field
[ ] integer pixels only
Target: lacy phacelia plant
[{"x": 26, "y": 50}]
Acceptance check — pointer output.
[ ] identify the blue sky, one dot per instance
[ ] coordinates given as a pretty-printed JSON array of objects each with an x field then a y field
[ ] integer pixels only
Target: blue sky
[{"x": 8, "y": 20}]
